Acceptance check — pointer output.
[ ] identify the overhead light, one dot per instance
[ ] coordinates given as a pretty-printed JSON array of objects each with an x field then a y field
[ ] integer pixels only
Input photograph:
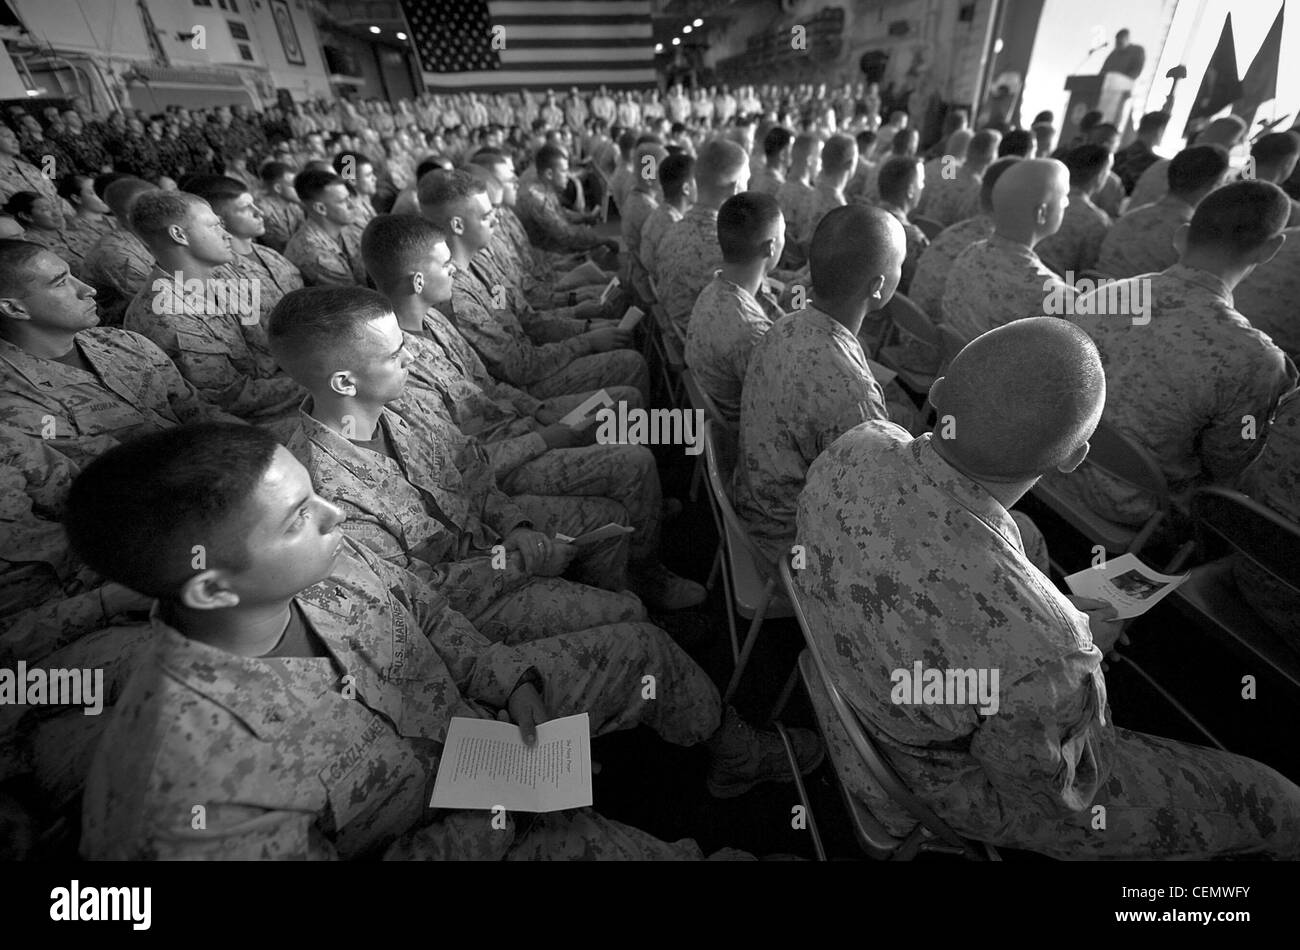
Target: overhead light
[
  {"x": 34, "y": 92},
  {"x": 659, "y": 47},
  {"x": 677, "y": 41},
  {"x": 401, "y": 36},
  {"x": 375, "y": 29},
  {"x": 687, "y": 28},
  {"x": 699, "y": 22}
]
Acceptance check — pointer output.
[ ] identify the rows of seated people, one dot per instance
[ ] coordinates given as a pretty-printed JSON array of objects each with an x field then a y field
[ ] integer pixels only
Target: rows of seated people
[{"x": 258, "y": 435}]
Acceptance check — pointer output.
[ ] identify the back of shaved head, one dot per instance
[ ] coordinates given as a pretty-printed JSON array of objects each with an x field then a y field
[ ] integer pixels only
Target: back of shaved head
[
  {"x": 851, "y": 248},
  {"x": 1021, "y": 399},
  {"x": 957, "y": 143},
  {"x": 1024, "y": 188},
  {"x": 719, "y": 165}
]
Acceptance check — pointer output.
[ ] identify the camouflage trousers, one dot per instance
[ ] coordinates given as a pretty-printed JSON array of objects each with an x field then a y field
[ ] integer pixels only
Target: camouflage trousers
[
  {"x": 597, "y": 371},
  {"x": 1164, "y": 800},
  {"x": 622, "y": 675},
  {"x": 625, "y": 474},
  {"x": 601, "y": 565}
]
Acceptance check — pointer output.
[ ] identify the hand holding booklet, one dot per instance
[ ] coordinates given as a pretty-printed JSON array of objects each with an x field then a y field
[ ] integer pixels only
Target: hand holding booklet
[
  {"x": 631, "y": 318},
  {"x": 485, "y": 764},
  {"x": 1125, "y": 583},
  {"x": 581, "y": 415},
  {"x": 609, "y": 289}
]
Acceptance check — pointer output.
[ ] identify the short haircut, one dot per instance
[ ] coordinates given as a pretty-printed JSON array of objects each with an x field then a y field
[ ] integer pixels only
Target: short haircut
[
  {"x": 494, "y": 188},
  {"x": 155, "y": 212},
  {"x": 103, "y": 181},
  {"x": 22, "y": 202},
  {"x": 991, "y": 176},
  {"x": 273, "y": 171},
  {"x": 137, "y": 513},
  {"x": 776, "y": 141},
  {"x": 865, "y": 139},
  {"x": 1044, "y": 117},
  {"x": 850, "y": 246},
  {"x": 16, "y": 256},
  {"x": 719, "y": 164},
  {"x": 1195, "y": 167},
  {"x": 123, "y": 193},
  {"x": 311, "y": 184},
  {"x": 1275, "y": 147},
  {"x": 69, "y": 185},
  {"x": 550, "y": 156},
  {"x": 983, "y": 147},
  {"x": 216, "y": 190},
  {"x": 839, "y": 154},
  {"x": 394, "y": 245},
  {"x": 341, "y": 161},
  {"x": 1085, "y": 162},
  {"x": 1238, "y": 218},
  {"x": 432, "y": 163},
  {"x": 441, "y": 191},
  {"x": 1153, "y": 122},
  {"x": 313, "y": 330},
  {"x": 895, "y": 176},
  {"x": 743, "y": 223},
  {"x": 1103, "y": 130},
  {"x": 903, "y": 142},
  {"x": 674, "y": 172},
  {"x": 1018, "y": 142}
]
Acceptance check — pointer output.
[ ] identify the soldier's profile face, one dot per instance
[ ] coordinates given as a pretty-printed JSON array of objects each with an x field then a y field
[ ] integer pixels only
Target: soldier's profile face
[
  {"x": 55, "y": 299},
  {"x": 208, "y": 240},
  {"x": 337, "y": 202},
  {"x": 380, "y": 362},
  {"x": 294, "y": 536},
  {"x": 438, "y": 271},
  {"x": 243, "y": 218},
  {"x": 479, "y": 219},
  {"x": 8, "y": 141}
]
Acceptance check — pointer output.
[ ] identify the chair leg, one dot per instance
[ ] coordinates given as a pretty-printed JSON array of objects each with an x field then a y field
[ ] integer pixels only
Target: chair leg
[
  {"x": 713, "y": 571},
  {"x": 750, "y": 639},
  {"x": 786, "y": 692},
  {"x": 1182, "y": 710},
  {"x": 697, "y": 477},
  {"x": 802, "y": 792}
]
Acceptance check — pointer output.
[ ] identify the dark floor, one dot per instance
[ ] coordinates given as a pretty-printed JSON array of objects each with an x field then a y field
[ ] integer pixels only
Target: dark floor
[{"x": 658, "y": 787}]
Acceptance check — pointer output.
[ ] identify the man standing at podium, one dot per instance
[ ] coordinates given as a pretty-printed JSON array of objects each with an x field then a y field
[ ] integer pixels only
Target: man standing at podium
[{"x": 1118, "y": 74}]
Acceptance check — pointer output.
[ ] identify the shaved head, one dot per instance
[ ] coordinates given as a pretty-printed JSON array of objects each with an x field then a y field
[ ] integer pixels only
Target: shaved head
[
  {"x": 958, "y": 142},
  {"x": 721, "y": 170},
  {"x": 1029, "y": 198},
  {"x": 1023, "y": 399},
  {"x": 857, "y": 250}
]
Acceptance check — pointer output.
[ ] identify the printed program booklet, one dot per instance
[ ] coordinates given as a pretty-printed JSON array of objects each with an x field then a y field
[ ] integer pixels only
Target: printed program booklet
[
  {"x": 1125, "y": 582},
  {"x": 485, "y": 765}
]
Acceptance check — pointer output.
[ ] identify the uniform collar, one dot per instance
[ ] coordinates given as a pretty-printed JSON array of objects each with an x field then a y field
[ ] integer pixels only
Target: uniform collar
[
  {"x": 963, "y": 490},
  {"x": 1202, "y": 279}
]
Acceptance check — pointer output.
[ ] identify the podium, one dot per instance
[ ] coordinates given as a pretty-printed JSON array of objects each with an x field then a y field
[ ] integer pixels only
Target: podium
[{"x": 1085, "y": 93}]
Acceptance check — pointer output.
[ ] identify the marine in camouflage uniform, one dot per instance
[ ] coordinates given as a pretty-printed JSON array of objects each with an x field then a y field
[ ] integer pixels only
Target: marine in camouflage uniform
[
  {"x": 445, "y": 369},
  {"x": 213, "y": 354},
  {"x": 725, "y": 325},
  {"x": 548, "y": 227},
  {"x": 325, "y": 260},
  {"x": 996, "y": 281},
  {"x": 1142, "y": 241},
  {"x": 807, "y": 383},
  {"x": 283, "y": 218},
  {"x": 1077, "y": 243},
  {"x": 656, "y": 226},
  {"x": 685, "y": 262},
  {"x": 118, "y": 266},
  {"x": 275, "y": 274},
  {"x": 288, "y": 766},
  {"x": 907, "y": 561},
  {"x": 1268, "y": 295},
  {"x": 131, "y": 388},
  {"x": 1180, "y": 386},
  {"x": 433, "y": 507},
  {"x": 551, "y": 369}
]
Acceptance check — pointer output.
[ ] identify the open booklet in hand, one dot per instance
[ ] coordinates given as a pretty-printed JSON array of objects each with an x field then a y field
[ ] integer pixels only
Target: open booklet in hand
[
  {"x": 609, "y": 289},
  {"x": 1125, "y": 583},
  {"x": 485, "y": 765}
]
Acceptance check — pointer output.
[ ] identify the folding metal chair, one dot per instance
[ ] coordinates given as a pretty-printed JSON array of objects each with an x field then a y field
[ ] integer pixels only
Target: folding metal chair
[
  {"x": 1210, "y": 595},
  {"x": 930, "y": 833},
  {"x": 904, "y": 316},
  {"x": 749, "y": 580},
  {"x": 699, "y": 399}
]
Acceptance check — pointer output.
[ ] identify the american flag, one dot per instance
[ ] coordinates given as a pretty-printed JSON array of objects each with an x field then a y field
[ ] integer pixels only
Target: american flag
[{"x": 490, "y": 45}]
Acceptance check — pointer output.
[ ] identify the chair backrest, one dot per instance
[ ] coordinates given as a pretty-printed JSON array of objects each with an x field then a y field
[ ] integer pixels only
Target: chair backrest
[
  {"x": 907, "y": 316},
  {"x": 859, "y": 733},
  {"x": 1252, "y": 529},
  {"x": 721, "y": 450},
  {"x": 950, "y": 344},
  {"x": 702, "y": 400},
  {"x": 929, "y": 227},
  {"x": 1120, "y": 457}
]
